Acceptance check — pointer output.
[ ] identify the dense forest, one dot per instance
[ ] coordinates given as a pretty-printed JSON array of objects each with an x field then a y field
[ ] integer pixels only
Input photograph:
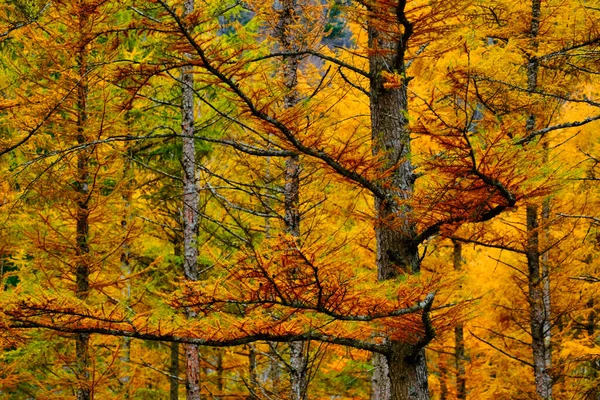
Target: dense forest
[{"x": 299, "y": 199}]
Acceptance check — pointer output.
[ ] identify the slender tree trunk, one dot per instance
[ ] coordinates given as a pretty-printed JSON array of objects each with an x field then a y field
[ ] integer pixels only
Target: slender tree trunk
[
  {"x": 402, "y": 374},
  {"x": 443, "y": 382},
  {"x": 459, "y": 346},
  {"x": 538, "y": 316},
  {"x": 125, "y": 358},
  {"x": 220, "y": 381},
  {"x": 82, "y": 271},
  {"x": 546, "y": 297},
  {"x": 191, "y": 200},
  {"x": 275, "y": 371},
  {"x": 538, "y": 279},
  {"x": 252, "y": 378},
  {"x": 288, "y": 16},
  {"x": 174, "y": 372}
]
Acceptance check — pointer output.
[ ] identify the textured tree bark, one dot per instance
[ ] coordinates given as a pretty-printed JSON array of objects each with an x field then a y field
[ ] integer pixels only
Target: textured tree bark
[
  {"x": 538, "y": 315},
  {"x": 299, "y": 378},
  {"x": 459, "y": 347},
  {"x": 538, "y": 278},
  {"x": 191, "y": 199},
  {"x": 287, "y": 17},
  {"x": 402, "y": 374},
  {"x": 82, "y": 271},
  {"x": 408, "y": 372}
]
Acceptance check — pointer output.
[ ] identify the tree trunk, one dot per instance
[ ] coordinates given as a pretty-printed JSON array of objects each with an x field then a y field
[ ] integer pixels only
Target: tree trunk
[
  {"x": 252, "y": 378},
  {"x": 408, "y": 372},
  {"x": 539, "y": 318},
  {"x": 443, "y": 382},
  {"x": 402, "y": 374},
  {"x": 125, "y": 358},
  {"x": 82, "y": 271},
  {"x": 538, "y": 279},
  {"x": 174, "y": 372},
  {"x": 275, "y": 371},
  {"x": 191, "y": 199},
  {"x": 459, "y": 349},
  {"x": 288, "y": 16},
  {"x": 220, "y": 380}
]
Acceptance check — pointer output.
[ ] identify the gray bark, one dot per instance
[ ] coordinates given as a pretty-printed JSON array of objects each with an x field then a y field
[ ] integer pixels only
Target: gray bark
[
  {"x": 191, "y": 200},
  {"x": 298, "y": 364},
  {"x": 539, "y": 318},
  {"x": 402, "y": 374},
  {"x": 538, "y": 279},
  {"x": 408, "y": 372}
]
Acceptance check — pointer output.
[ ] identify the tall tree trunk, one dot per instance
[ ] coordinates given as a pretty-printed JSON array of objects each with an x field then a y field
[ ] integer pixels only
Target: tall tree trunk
[
  {"x": 220, "y": 381},
  {"x": 82, "y": 272},
  {"x": 402, "y": 374},
  {"x": 275, "y": 371},
  {"x": 538, "y": 279},
  {"x": 538, "y": 315},
  {"x": 288, "y": 16},
  {"x": 174, "y": 372},
  {"x": 443, "y": 382},
  {"x": 125, "y": 358},
  {"x": 459, "y": 346},
  {"x": 191, "y": 200},
  {"x": 252, "y": 378}
]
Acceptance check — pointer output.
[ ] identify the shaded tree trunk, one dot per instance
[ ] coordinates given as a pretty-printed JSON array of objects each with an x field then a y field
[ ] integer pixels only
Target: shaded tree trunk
[
  {"x": 174, "y": 372},
  {"x": 443, "y": 382},
  {"x": 82, "y": 272},
  {"x": 402, "y": 374},
  {"x": 459, "y": 341},
  {"x": 220, "y": 381}
]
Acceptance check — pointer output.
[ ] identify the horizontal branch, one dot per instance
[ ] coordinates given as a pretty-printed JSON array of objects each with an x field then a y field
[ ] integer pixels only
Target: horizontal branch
[
  {"x": 594, "y": 219},
  {"x": 542, "y": 132},
  {"x": 489, "y": 245},
  {"x": 565, "y": 50},
  {"x": 270, "y": 337},
  {"x": 424, "y": 305}
]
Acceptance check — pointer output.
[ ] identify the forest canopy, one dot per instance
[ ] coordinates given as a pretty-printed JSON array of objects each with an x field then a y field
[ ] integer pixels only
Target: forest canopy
[{"x": 299, "y": 199}]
